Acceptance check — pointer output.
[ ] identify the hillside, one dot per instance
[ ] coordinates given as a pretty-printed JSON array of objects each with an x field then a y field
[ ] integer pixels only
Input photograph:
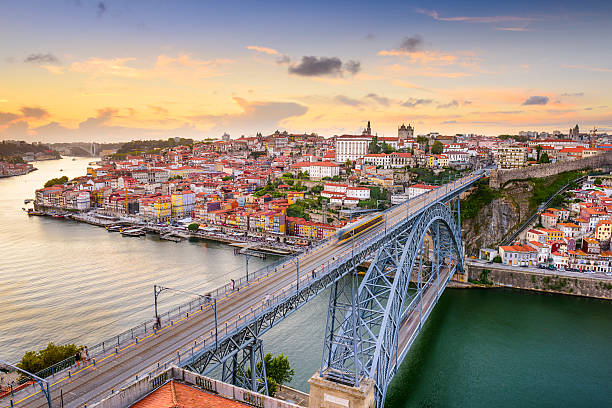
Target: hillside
[{"x": 490, "y": 215}]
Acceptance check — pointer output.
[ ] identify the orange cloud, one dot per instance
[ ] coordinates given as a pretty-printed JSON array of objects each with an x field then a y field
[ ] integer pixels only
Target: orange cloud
[
  {"x": 165, "y": 66},
  {"x": 265, "y": 50},
  {"x": 423, "y": 57},
  {"x": 475, "y": 19}
]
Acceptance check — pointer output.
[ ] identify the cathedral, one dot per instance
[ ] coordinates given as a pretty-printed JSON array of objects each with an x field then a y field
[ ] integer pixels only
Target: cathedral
[{"x": 405, "y": 132}]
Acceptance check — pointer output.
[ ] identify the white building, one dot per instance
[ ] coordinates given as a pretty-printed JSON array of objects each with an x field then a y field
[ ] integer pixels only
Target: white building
[
  {"x": 361, "y": 193},
  {"x": 378, "y": 159},
  {"x": 352, "y": 147},
  {"x": 318, "y": 170}
]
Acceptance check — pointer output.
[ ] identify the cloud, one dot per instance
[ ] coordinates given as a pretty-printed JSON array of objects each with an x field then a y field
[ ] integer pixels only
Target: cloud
[
  {"x": 475, "y": 19},
  {"x": 447, "y": 122},
  {"x": 101, "y": 9},
  {"x": 313, "y": 66},
  {"x": 104, "y": 116},
  {"x": 411, "y": 44},
  {"x": 180, "y": 68},
  {"x": 41, "y": 59},
  {"x": 283, "y": 59},
  {"x": 345, "y": 100},
  {"x": 575, "y": 94},
  {"x": 7, "y": 117},
  {"x": 369, "y": 36},
  {"x": 380, "y": 99},
  {"x": 536, "y": 100},
  {"x": 451, "y": 104},
  {"x": 427, "y": 57},
  {"x": 588, "y": 68},
  {"x": 352, "y": 66},
  {"x": 158, "y": 110},
  {"x": 33, "y": 112},
  {"x": 517, "y": 29},
  {"x": 324, "y": 66},
  {"x": 265, "y": 116},
  {"x": 264, "y": 50},
  {"x": 414, "y": 102}
]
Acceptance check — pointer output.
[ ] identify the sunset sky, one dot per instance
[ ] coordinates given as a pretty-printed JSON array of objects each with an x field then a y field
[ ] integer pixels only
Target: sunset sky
[{"x": 117, "y": 70}]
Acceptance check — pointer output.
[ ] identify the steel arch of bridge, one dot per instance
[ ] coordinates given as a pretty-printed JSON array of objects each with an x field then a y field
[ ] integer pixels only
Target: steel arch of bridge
[{"x": 364, "y": 320}]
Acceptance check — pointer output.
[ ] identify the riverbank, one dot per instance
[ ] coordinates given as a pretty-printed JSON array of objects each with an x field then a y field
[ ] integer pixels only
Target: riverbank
[
  {"x": 174, "y": 234},
  {"x": 480, "y": 275}
]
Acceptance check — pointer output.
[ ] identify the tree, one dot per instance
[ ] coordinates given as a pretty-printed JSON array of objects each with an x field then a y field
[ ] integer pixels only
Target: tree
[
  {"x": 227, "y": 178},
  {"x": 538, "y": 151},
  {"x": 56, "y": 181},
  {"x": 194, "y": 226},
  {"x": 544, "y": 158},
  {"x": 387, "y": 148},
  {"x": 598, "y": 181},
  {"x": 437, "y": 147},
  {"x": 497, "y": 259},
  {"x": 373, "y": 147},
  {"x": 278, "y": 368},
  {"x": 34, "y": 361}
]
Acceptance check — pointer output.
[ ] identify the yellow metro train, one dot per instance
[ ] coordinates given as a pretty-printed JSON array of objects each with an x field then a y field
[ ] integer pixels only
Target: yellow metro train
[{"x": 358, "y": 227}]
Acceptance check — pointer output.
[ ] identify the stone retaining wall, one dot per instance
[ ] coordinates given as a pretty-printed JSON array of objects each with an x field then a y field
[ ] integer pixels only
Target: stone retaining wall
[
  {"x": 587, "y": 286},
  {"x": 499, "y": 177}
]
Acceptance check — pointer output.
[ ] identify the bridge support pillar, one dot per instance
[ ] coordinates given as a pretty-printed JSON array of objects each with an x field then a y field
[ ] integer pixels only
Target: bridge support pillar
[{"x": 329, "y": 394}]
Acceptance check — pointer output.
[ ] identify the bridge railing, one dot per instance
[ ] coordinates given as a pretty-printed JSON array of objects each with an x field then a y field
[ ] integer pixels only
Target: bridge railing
[{"x": 121, "y": 340}]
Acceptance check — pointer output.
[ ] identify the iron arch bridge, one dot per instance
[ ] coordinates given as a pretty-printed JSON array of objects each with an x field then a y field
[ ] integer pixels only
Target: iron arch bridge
[{"x": 371, "y": 325}]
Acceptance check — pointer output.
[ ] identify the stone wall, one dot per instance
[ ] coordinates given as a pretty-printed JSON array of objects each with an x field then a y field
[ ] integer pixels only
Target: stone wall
[
  {"x": 548, "y": 281},
  {"x": 500, "y": 177}
]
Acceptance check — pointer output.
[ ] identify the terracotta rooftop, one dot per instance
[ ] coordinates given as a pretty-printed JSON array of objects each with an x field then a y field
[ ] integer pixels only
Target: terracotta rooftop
[{"x": 177, "y": 395}]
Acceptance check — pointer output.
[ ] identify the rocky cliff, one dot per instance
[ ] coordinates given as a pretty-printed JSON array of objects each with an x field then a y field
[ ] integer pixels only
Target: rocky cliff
[{"x": 499, "y": 218}]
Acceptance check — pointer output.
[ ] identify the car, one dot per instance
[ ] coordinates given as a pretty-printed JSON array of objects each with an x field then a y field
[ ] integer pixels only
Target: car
[
  {"x": 541, "y": 266},
  {"x": 552, "y": 267}
]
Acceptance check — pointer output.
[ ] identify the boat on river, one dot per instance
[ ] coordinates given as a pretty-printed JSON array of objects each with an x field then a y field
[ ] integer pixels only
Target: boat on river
[{"x": 133, "y": 232}]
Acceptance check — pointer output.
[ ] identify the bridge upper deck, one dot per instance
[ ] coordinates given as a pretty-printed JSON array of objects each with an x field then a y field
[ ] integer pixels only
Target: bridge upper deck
[{"x": 234, "y": 308}]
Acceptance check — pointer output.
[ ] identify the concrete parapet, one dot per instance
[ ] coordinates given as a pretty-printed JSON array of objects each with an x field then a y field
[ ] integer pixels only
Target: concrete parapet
[
  {"x": 144, "y": 386},
  {"x": 329, "y": 394}
]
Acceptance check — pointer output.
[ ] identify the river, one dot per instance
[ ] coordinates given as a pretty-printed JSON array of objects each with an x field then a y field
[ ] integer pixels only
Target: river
[{"x": 63, "y": 281}]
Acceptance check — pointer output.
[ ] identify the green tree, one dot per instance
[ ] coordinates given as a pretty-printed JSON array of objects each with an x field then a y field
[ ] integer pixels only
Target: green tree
[
  {"x": 544, "y": 158},
  {"x": 598, "y": 181},
  {"x": 56, "y": 181},
  {"x": 278, "y": 368},
  {"x": 387, "y": 148},
  {"x": 497, "y": 259},
  {"x": 227, "y": 178},
  {"x": 373, "y": 147},
  {"x": 423, "y": 141},
  {"x": 538, "y": 151},
  {"x": 34, "y": 361},
  {"x": 194, "y": 226},
  {"x": 437, "y": 147}
]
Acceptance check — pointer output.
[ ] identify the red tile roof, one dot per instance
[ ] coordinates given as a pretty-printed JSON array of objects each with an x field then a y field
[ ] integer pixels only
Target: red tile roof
[{"x": 177, "y": 395}]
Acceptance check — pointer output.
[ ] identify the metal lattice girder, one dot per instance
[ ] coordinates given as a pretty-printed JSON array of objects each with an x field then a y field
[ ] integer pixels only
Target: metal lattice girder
[
  {"x": 246, "y": 369},
  {"x": 362, "y": 335},
  {"x": 210, "y": 358}
]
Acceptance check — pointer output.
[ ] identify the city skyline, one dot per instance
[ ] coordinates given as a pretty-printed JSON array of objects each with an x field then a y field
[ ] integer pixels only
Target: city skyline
[{"x": 114, "y": 71}]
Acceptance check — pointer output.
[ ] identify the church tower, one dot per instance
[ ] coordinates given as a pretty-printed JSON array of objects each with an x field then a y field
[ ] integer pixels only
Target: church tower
[{"x": 405, "y": 132}]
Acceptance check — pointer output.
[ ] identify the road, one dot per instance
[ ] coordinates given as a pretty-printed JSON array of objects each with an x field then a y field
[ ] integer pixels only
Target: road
[
  {"x": 91, "y": 383},
  {"x": 555, "y": 272}
]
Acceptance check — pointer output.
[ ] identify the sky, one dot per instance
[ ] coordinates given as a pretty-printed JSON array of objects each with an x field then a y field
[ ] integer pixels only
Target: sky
[{"x": 106, "y": 71}]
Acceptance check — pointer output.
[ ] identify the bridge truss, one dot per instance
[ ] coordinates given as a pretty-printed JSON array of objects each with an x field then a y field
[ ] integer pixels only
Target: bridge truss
[
  {"x": 401, "y": 286},
  {"x": 411, "y": 260}
]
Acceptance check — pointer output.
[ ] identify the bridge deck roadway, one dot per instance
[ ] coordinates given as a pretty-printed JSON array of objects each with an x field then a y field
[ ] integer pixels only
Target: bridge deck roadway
[{"x": 92, "y": 383}]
